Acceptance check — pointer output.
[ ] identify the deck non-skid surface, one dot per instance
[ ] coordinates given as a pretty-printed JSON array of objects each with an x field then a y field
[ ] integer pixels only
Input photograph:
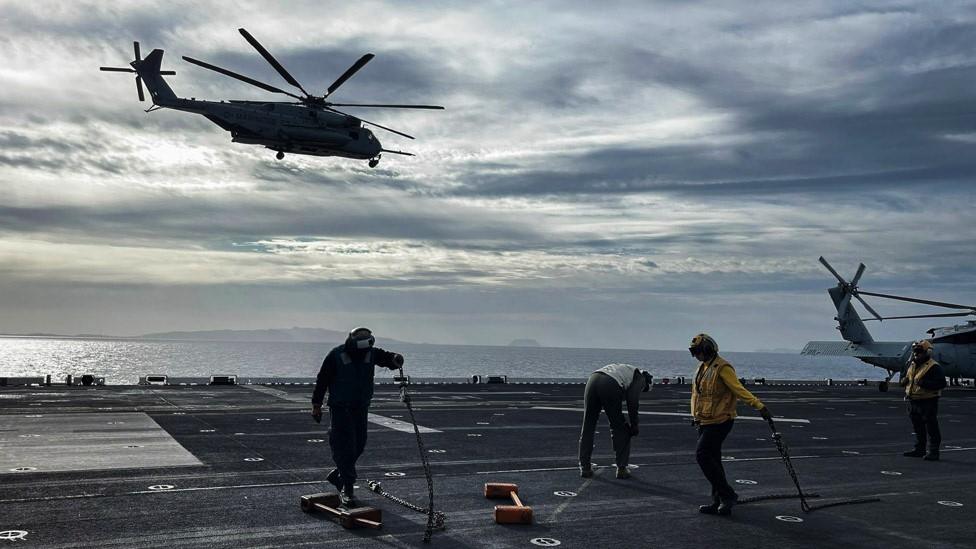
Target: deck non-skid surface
[{"x": 169, "y": 466}]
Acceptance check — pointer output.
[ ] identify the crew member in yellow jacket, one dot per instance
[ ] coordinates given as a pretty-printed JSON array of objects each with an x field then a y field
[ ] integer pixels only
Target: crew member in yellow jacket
[
  {"x": 923, "y": 383},
  {"x": 713, "y": 398}
]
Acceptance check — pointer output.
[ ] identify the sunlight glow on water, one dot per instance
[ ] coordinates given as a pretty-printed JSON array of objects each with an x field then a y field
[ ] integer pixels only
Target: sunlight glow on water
[{"x": 123, "y": 361}]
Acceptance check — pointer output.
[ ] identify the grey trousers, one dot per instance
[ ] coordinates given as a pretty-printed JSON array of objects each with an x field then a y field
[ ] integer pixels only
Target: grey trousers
[{"x": 603, "y": 392}]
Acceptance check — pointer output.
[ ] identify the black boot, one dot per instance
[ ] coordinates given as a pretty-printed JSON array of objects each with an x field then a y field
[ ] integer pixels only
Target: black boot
[
  {"x": 916, "y": 453},
  {"x": 333, "y": 479},
  {"x": 712, "y": 508},
  {"x": 932, "y": 455},
  {"x": 725, "y": 508},
  {"x": 346, "y": 498}
]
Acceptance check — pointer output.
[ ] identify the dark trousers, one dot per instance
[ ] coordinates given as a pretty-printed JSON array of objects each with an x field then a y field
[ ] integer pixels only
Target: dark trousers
[
  {"x": 709, "y": 455},
  {"x": 603, "y": 392},
  {"x": 347, "y": 438},
  {"x": 924, "y": 415}
]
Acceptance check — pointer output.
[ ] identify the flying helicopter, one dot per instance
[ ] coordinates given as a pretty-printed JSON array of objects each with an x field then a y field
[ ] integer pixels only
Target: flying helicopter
[
  {"x": 954, "y": 347},
  {"x": 310, "y": 125}
]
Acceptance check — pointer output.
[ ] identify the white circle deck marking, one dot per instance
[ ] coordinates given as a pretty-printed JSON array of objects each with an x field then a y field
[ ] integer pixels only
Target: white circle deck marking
[
  {"x": 253, "y": 459},
  {"x": 207, "y": 430},
  {"x": 240, "y": 434},
  {"x": 565, "y": 494},
  {"x": 881, "y": 423},
  {"x": 161, "y": 487},
  {"x": 395, "y": 474},
  {"x": 316, "y": 440},
  {"x": 13, "y": 535},
  {"x": 436, "y": 451},
  {"x": 483, "y": 423},
  {"x": 264, "y": 419},
  {"x": 498, "y": 414},
  {"x": 745, "y": 481},
  {"x": 788, "y": 518},
  {"x": 23, "y": 469},
  {"x": 850, "y": 452},
  {"x": 950, "y": 503},
  {"x": 761, "y": 439},
  {"x": 474, "y": 434},
  {"x": 28, "y": 436},
  {"x": 35, "y": 415},
  {"x": 545, "y": 542},
  {"x": 179, "y": 413},
  {"x": 891, "y": 473},
  {"x": 819, "y": 438}
]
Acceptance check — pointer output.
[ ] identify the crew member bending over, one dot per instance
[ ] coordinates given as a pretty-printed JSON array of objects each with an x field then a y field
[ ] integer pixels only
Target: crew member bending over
[
  {"x": 607, "y": 388},
  {"x": 713, "y": 398},
  {"x": 347, "y": 374}
]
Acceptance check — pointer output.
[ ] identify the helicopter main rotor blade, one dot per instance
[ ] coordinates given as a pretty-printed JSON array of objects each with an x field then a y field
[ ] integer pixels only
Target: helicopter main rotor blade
[
  {"x": 868, "y": 307},
  {"x": 349, "y": 72},
  {"x": 371, "y": 123},
  {"x": 397, "y": 152},
  {"x": 832, "y": 271},
  {"x": 115, "y": 69},
  {"x": 924, "y": 316},
  {"x": 135, "y": 49},
  {"x": 437, "y": 107},
  {"x": 240, "y": 77},
  {"x": 922, "y": 301},
  {"x": 142, "y": 96},
  {"x": 271, "y": 59},
  {"x": 857, "y": 276}
]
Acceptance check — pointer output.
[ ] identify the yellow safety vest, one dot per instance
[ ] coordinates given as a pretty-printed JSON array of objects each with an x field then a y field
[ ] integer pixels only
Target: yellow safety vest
[
  {"x": 711, "y": 400},
  {"x": 914, "y": 375}
]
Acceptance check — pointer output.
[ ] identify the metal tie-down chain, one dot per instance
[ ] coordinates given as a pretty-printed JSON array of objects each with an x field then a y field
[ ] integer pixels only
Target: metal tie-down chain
[
  {"x": 784, "y": 452},
  {"x": 435, "y": 519}
]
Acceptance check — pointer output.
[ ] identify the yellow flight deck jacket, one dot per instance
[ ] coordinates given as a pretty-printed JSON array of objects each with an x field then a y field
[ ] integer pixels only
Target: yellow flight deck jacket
[
  {"x": 915, "y": 373},
  {"x": 715, "y": 392}
]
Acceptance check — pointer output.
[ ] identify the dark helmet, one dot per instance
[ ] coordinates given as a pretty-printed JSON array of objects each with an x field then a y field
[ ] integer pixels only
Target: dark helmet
[
  {"x": 648, "y": 380},
  {"x": 704, "y": 344},
  {"x": 922, "y": 348},
  {"x": 360, "y": 338}
]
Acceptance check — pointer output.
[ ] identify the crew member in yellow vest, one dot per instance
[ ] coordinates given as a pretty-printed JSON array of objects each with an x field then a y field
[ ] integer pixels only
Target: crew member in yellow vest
[
  {"x": 714, "y": 395},
  {"x": 923, "y": 383}
]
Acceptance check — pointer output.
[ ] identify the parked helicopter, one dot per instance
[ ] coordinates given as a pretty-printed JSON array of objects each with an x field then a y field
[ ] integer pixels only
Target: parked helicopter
[
  {"x": 954, "y": 347},
  {"x": 311, "y": 125}
]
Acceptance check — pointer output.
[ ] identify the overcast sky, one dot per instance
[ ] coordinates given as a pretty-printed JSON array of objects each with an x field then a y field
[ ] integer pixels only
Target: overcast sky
[{"x": 604, "y": 174}]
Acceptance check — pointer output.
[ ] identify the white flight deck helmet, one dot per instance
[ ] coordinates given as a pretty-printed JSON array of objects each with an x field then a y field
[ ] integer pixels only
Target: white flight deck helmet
[{"x": 361, "y": 338}]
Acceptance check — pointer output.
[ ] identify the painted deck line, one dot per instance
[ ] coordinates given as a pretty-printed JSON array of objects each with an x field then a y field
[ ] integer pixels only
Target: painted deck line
[
  {"x": 679, "y": 414},
  {"x": 398, "y": 425}
]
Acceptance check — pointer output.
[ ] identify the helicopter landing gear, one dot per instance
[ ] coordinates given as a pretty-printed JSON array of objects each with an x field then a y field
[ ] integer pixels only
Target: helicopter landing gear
[
  {"x": 280, "y": 155},
  {"x": 373, "y": 162}
]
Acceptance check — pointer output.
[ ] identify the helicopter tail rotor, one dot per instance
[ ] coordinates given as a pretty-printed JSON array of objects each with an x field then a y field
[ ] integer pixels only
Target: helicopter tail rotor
[{"x": 135, "y": 66}]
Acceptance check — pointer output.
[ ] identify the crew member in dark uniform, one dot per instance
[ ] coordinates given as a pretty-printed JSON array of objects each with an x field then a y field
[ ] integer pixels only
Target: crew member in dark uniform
[
  {"x": 607, "y": 389},
  {"x": 923, "y": 385},
  {"x": 347, "y": 373},
  {"x": 713, "y": 398}
]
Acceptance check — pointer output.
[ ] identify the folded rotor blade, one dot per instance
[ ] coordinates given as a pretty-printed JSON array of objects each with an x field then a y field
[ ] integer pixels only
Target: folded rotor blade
[
  {"x": 832, "y": 271},
  {"x": 349, "y": 72},
  {"x": 922, "y": 301},
  {"x": 924, "y": 316},
  {"x": 857, "y": 276},
  {"x": 391, "y": 130},
  {"x": 115, "y": 69},
  {"x": 142, "y": 96},
  {"x": 167, "y": 73},
  {"x": 868, "y": 307},
  {"x": 437, "y": 107},
  {"x": 397, "y": 152},
  {"x": 240, "y": 77},
  {"x": 135, "y": 48},
  {"x": 271, "y": 59}
]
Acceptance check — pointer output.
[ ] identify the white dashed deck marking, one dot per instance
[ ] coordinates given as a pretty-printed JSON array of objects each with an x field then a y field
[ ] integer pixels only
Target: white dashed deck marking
[{"x": 678, "y": 414}]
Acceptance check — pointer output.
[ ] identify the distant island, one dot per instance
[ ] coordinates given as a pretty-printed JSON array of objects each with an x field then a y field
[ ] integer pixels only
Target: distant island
[{"x": 524, "y": 343}]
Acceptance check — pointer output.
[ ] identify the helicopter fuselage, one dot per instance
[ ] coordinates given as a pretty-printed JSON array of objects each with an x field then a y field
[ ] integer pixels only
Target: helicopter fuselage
[{"x": 285, "y": 127}]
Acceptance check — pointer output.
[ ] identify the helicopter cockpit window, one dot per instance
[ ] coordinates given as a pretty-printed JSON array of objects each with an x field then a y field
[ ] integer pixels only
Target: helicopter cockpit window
[{"x": 369, "y": 136}]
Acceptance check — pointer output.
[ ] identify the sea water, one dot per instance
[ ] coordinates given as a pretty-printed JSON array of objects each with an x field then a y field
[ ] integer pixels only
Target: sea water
[{"x": 122, "y": 361}]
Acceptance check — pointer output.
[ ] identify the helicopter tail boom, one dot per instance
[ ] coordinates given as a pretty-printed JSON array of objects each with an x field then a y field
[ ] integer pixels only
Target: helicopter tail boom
[{"x": 149, "y": 70}]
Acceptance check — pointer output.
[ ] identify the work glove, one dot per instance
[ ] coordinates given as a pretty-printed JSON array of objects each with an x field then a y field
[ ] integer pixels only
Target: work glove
[
  {"x": 317, "y": 414},
  {"x": 634, "y": 430},
  {"x": 765, "y": 413},
  {"x": 398, "y": 360}
]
